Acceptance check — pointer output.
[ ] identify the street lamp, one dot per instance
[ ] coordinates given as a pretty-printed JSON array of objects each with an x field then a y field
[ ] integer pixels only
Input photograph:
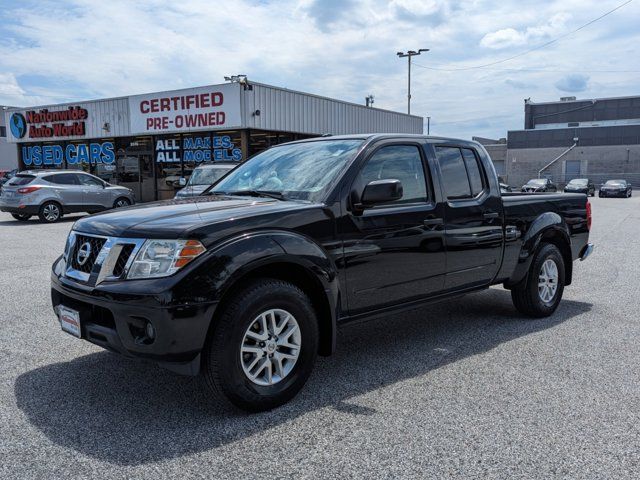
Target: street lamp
[{"x": 409, "y": 54}]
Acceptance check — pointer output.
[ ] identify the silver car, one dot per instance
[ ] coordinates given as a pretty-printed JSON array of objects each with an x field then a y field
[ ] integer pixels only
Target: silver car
[
  {"x": 52, "y": 193},
  {"x": 203, "y": 177}
]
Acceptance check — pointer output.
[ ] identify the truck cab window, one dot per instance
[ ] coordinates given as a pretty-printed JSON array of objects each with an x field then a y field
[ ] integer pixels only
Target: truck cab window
[
  {"x": 476, "y": 178},
  {"x": 398, "y": 162},
  {"x": 454, "y": 173}
]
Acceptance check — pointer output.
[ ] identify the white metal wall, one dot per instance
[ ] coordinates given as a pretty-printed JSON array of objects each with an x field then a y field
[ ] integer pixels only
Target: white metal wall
[{"x": 291, "y": 111}]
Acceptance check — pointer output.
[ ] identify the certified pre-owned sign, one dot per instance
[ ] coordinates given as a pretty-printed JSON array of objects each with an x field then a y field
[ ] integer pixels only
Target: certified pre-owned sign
[{"x": 203, "y": 108}]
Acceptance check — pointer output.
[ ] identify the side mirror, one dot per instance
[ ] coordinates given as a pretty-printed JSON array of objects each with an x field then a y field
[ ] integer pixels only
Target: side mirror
[
  {"x": 381, "y": 191},
  {"x": 182, "y": 181}
]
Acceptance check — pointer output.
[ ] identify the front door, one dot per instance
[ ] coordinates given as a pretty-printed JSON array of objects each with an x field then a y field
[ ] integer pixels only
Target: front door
[
  {"x": 394, "y": 252},
  {"x": 96, "y": 197},
  {"x": 473, "y": 218}
]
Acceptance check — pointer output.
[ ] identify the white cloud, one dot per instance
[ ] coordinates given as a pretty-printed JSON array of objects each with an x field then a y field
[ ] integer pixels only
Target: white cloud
[{"x": 510, "y": 37}]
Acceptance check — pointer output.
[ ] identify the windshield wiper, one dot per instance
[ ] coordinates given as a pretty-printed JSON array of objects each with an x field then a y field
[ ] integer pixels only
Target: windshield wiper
[{"x": 257, "y": 193}]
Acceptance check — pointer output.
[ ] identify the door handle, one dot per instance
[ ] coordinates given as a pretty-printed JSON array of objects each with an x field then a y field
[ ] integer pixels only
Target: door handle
[
  {"x": 490, "y": 215},
  {"x": 432, "y": 222}
]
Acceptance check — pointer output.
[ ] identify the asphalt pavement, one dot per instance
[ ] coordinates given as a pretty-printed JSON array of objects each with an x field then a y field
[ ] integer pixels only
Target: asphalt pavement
[{"x": 466, "y": 388}]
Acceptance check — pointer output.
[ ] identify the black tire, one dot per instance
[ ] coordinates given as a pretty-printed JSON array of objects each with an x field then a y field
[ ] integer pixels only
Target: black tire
[
  {"x": 223, "y": 365},
  {"x": 525, "y": 295},
  {"x": 121, "y": 202},
  {"x": 21, "y": 217},
  {"x": 50, "y": 212}
]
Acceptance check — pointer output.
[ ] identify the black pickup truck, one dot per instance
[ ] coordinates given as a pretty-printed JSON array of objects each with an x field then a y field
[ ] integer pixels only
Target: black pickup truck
[{"x": 250, "y": 281}]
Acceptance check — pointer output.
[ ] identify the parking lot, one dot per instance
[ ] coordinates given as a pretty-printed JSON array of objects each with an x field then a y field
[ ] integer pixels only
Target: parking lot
[{"x": 465, "y": 388}]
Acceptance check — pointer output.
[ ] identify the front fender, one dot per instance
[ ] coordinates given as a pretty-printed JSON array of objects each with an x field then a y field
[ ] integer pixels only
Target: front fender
[
  {"x": 269, "y": 253},
  {"x": 548, "y": 224}
]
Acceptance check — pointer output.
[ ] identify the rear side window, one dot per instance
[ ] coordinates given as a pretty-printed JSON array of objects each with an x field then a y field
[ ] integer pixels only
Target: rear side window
[
  {"x": 462, "y": 175},
  {"x": 454, "y": 173},
  {"x": 473, "y": 170},
  {"x": 21, "y": 180},
  {"x": 62, "y": 179}
]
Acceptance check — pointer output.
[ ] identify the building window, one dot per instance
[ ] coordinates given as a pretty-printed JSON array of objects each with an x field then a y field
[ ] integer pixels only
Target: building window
[{"x": 3, "y": 131}]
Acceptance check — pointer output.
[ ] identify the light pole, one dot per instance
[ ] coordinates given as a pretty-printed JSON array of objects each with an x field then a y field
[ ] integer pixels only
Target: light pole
[{"x": 409, "y": 54}]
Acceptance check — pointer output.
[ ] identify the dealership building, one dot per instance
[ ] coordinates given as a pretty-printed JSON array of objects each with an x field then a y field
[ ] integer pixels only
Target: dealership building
[
  {"x": 147, "y": 142},
  {"x": 595, "y": 138}
]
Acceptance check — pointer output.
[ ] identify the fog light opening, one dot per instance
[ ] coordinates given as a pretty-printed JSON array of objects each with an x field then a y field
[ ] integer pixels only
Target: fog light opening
[{"x": 150, "y": 331}]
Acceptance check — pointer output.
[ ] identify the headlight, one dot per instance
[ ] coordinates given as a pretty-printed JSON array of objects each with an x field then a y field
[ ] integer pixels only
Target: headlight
[{"x": 161, "y": 258}]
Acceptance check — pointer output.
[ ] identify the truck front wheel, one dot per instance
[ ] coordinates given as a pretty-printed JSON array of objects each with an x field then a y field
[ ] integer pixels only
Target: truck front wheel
[
  {"x": 263, "y": 346},
  {"x": 539, "y": 294}
]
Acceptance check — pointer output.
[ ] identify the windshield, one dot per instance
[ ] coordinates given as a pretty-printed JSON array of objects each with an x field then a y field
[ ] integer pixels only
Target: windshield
[
  {"x": 615, "y": 183},
  {"x": 537, "y": 181},
  {"x": 207, "y": 175},
  {"x": 300, "y": 171},
  {"x": 578, "y": 181}
]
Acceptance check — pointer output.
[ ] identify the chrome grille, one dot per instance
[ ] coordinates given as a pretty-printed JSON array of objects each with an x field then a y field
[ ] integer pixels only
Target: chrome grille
[
  {"x": 123, "y": 259},
  {"x": 84, "y": 262},
  {"x": 108, "y": 257}
]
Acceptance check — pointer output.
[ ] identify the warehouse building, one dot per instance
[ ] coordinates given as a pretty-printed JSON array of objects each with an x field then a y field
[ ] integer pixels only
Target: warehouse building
[
  {"x": 596, "y": 138},
  {"x": 148, "y": 142}
]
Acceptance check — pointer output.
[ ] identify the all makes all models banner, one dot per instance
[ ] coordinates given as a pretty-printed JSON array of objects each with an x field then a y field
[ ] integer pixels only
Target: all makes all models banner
[{"x": 203, "y": 108}]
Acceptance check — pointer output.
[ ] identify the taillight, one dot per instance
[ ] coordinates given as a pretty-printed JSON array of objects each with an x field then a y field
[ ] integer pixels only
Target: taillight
[
  {"x": 28, "y": 189},
  {"x": 588, "y": 215}
]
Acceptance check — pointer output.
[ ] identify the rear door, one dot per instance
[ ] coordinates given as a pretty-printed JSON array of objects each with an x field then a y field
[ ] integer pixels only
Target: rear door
[
  {"x": 473, "y": 217},
  {"x": 67, "y": 188}
]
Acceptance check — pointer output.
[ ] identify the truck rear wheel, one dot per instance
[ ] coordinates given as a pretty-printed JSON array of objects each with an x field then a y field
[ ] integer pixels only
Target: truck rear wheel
[
  {"x": 539, "y": 294},
  {"x": 263, "y": 346}
]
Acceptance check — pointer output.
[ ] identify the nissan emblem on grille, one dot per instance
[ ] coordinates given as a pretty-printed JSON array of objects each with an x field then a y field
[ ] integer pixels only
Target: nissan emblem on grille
[{"x": 83, "y": 253}]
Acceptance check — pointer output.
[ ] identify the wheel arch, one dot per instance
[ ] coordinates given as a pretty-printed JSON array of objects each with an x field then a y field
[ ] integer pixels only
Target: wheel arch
[
  {"x": 547, "y": 228},
  {"x": 284, "y": 256}
]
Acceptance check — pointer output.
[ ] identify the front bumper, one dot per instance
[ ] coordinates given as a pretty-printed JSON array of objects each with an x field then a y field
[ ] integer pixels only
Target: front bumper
[
  {"x": 115, "y": 319},
  {"x": 613, "y": 193}
]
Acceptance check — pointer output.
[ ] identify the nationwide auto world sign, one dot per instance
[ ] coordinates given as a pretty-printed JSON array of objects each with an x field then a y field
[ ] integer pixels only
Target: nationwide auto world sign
[
  {"x": 45, "y": 124},
  {"x": 194, "y": 109}
]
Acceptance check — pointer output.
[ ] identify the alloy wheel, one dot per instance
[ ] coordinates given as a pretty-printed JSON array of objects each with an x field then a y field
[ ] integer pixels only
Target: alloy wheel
[
  {"x": 270, "y": 347},
  {"x": 51, "y": 212},
  {"x": 548, "y": 281}
]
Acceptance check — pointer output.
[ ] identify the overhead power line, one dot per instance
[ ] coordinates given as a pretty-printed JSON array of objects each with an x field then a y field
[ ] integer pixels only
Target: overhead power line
[{"x": 546, "y": 44}]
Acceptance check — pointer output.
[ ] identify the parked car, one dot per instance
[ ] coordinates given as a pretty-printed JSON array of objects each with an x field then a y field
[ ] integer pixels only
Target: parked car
[
  {"x": 250, "y": 281},
  {"x": 504, "y": 188},
  {"x": 539, "y": 185},
  {"x": 581, "y": 185},
  {"x": 615, "y": 188},
  {"x": 203, "y": 177},
  {"x": 6, "y": 175},
  {"x": 52, "y": 193}
]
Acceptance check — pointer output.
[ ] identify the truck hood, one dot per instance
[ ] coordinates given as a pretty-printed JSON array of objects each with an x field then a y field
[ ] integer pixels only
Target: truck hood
[
  {"x": 180, "y": 218},
  {"x": 191, "y": 191}
]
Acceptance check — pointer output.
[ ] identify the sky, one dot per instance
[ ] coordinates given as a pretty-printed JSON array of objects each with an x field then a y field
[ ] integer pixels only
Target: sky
[{"x": 71, "y": 50}]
